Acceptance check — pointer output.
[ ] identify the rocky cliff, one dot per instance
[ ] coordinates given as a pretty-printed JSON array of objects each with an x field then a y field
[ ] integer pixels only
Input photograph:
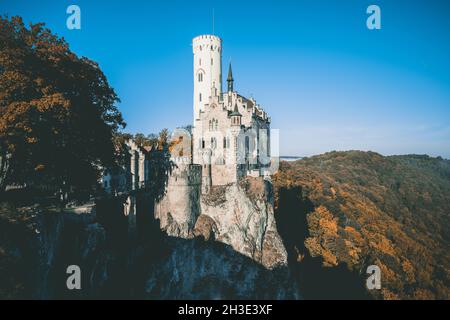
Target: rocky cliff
[
  {"x": 240, "y": 215},
  {"x": 197, "y": 269},
  {"x": 37, "y": 248}
]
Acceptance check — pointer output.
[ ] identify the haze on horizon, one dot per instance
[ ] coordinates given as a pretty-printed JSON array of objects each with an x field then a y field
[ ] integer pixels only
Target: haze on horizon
[{"x": 327, "y": 82}]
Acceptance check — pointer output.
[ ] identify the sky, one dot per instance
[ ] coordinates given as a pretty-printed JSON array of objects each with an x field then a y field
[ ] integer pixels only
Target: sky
[{"x": 326, "y": 80}]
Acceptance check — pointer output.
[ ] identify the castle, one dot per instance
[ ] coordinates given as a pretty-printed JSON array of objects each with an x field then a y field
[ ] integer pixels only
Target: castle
[
  {"x": 231, "y": 133},
  {"x": 229, "y": 139}
]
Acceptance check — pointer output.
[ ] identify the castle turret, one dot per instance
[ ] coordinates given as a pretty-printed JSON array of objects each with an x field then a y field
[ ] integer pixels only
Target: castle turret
[
  {"x": 207, "y": 70},
  {"x": 236, "y": 117}
]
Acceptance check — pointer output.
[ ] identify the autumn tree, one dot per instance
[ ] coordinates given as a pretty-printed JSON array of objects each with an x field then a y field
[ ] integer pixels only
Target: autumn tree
[{"x": 58, "y": 113}]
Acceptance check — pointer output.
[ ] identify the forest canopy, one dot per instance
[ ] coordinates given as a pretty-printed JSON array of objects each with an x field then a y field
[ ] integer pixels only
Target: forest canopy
[
  {"x": 367, "y": 209},
  {"x": 58, "y": 113}
]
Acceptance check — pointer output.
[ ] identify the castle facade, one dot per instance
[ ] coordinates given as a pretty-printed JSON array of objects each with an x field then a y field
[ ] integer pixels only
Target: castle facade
[
  {"x": 229, "y": 140},
  {"x": 231, "y": 133}
]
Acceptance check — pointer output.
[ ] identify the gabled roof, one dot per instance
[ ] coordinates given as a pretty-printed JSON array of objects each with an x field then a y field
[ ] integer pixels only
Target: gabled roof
[{"x": 236, "y": 111}]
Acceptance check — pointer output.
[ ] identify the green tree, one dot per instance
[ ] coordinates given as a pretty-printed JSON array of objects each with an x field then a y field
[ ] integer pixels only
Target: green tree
[{"x": 58, "y": 113}]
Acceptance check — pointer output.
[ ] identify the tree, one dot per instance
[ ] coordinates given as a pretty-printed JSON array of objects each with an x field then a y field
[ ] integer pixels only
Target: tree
[{"x": 58, "y": 113}]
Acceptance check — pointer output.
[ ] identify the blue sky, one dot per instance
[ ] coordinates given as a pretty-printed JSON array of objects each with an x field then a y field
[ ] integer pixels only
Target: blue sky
[{"x": 327, "y": 81}]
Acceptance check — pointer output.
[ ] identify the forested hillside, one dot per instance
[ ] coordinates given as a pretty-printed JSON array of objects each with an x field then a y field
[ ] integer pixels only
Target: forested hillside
[{"x": 361, "y": 208}]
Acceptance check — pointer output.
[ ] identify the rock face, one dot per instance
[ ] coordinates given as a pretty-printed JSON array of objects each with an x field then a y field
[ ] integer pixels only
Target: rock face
[
  {"x": 239, "y": 214},
  {"x": 244, "y": 218},
  {"x": 114, "y": 265},
  {"x": 243, "y": 255},
  {"x": 221, "y": 245},
  {"x": 197, "y": 269}
]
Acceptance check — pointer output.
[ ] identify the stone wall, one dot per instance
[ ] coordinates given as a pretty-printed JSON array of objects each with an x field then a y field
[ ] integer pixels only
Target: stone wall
[{"x": 180, "y": 207}]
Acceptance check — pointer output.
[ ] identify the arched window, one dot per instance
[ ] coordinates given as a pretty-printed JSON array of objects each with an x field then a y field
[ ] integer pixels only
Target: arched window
[{"x": 200, "y": 77}]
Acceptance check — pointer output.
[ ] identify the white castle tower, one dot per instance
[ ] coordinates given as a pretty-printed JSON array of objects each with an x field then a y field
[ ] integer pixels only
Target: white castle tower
[
  {"x": 226, "y": 134},
  {"x": 207, "y": 70}
]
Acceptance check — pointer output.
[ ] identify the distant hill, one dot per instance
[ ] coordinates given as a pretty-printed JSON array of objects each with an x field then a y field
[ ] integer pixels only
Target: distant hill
[{"x": 353, "y": 209}]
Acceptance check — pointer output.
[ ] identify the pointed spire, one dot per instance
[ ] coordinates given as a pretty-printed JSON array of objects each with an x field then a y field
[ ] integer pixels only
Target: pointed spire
[
  {"x": 230, "y": 73},
  {"x": 230, "y": 79}
]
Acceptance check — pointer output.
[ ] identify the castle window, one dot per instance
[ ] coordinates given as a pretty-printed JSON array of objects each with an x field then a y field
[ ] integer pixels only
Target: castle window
[
  {"x": 216, "y": 124},
  {"x": 200, "y": 77},
  {"x": 203, "y": 144},
  {"x": 200, "y": 97},
  {"x": 224, "y": 143},
  {"x": 213, "y": 143}
]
